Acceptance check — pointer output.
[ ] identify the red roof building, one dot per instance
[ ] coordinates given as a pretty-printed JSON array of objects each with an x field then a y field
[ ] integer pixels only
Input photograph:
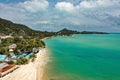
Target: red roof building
[{"x": 6, "y": 69}]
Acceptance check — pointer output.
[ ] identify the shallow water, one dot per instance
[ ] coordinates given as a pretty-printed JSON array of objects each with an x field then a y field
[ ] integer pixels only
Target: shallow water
[{"x": 84, "y": 57}]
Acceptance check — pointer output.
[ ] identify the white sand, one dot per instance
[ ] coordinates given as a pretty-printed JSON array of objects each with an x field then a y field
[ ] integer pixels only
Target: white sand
[
  {"x": 31, "y": 71},
  {"x": 41, "y": 61}
]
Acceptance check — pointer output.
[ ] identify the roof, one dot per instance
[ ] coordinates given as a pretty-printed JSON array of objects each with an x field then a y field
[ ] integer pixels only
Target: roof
[
  {"x": 22, "y": 55},
  {"x": 14, "y": 56},
  {"x": 28, "y": 56},
  {"x": 2, "y": 65},
  {"x": 12, "y": 46},
  {"x": 11, "y": 50},
  {"x": 2, "y": 57},
  {"x": 7, "y": 68}
]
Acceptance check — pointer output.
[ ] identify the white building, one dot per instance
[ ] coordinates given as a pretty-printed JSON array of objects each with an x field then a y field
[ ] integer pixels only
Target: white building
[
  {"x": 4, "y": 37},
  {"x": 11, "y": 49}
]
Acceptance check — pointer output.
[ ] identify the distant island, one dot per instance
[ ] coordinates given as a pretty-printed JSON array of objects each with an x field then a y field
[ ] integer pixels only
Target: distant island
[{"x": 70, "y": 32}]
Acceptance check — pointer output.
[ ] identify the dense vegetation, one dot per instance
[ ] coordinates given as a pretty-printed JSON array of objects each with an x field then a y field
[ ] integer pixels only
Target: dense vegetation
[
  {"x": 10, "y": 28},
  {"x": 23, "y": 45},
  {"x": 22, "y": 61}
]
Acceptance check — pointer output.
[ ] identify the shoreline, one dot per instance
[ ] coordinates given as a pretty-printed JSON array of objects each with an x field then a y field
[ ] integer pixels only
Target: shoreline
[
  {"x": 42, "y": 61},
  {"x": 32, "y": 71}
]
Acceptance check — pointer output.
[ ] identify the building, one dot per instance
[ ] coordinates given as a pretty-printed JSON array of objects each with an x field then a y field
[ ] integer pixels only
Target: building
[
  {"x": 35, "y": 50},
  {"x": 21, "y": 37},
  {"x": 5, "y": 37},
  {"x": 6, "y": 69},
  {"x": 11, "y": 52},
  {"x": 3, "y": 57},
  {"x": 29, "y": 55},
  {"x": 11, "y": 49}
]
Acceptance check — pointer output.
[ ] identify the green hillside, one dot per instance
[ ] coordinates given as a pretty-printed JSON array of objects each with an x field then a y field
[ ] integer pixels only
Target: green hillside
[{"x": 7, "y": 27}]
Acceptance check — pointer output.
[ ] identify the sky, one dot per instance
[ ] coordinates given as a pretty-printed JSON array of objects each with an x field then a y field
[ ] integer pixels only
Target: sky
[{"x": 54, "y": 15}]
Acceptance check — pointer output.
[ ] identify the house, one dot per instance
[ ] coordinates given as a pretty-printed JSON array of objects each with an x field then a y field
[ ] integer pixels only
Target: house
[
  {"x": 5, "y": 37},
  {"x": 35, "y": 50},
  {"x": 11, "y": 52},
  {"x": 29, "y": 55},
  {"x": 13, "y": 46},
  {"x": 21, "y": 37},
  {"x": 3, "y": 57},
  {"x": 6, "y": 69},
  {"x": 11, "y": 49}
]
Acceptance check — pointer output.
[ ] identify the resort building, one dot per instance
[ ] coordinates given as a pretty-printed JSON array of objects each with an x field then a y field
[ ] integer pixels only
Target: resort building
[
  {"x": 28, "y": 56},
  {"x": 6, "y": 69},
  {"x": 21, "y": 37},
  {"x": 5, "y": 37},
  {"x": 11, "y": 49},
  {"x": 23, "y": 54},
  {"x": 3, "y": 57},
  {"x": 35, "y": 50}
]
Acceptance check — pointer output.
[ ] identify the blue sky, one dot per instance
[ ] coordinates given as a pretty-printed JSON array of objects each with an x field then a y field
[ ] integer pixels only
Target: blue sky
[{"x": 53, "y": 15}]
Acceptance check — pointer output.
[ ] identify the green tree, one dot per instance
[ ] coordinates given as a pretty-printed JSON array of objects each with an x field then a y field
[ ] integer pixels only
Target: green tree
[
  {"x": 33, "y": 57},
  {"x": 10, "y": 62},
  {"x": 22, "y": 61}
]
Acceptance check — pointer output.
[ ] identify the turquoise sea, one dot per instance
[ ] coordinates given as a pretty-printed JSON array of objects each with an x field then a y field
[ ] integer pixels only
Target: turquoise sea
[{"x": 84, "y": 57}]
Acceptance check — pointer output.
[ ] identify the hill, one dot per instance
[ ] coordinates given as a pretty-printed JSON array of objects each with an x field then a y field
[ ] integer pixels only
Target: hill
[
  {"x": 9, "y": 28},
  {"x": 67, "y": 32},
  {"x": 92, "y": 32}
]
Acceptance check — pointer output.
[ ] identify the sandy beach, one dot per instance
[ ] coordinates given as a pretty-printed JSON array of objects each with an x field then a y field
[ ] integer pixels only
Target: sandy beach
[{"x": 32, "y": 71}]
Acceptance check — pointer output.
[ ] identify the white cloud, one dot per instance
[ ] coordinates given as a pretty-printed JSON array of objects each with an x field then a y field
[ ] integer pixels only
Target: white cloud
[
  {"x": 11, "y": 12},
  {"x": 42, "y": 22},
  {"x": 101, "y": 13},
  {"x": 70, "y": 7},
  {"x": 35, "y": 5},
  {"x": 86, "y": 4},
  {"x": 91, "y": 7},
  {"x": 65, "y": 6},
  {"x": 97, "y": 3}
]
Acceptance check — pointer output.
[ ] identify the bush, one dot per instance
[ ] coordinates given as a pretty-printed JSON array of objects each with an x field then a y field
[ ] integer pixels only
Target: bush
[
  {"x": 10, "y": 62},
  {"x": 33, "y": 57},
  {"x": 22, "y": 61}
]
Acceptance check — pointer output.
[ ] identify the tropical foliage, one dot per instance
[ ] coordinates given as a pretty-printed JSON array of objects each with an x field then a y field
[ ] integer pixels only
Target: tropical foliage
[
  {"x": 9, "y": 28},
  {"x": 10, "y": 62},
  {"x": 22, "y": 61},
  {"x": 23, "y": 45},
  {"x": 33, "y": 57}
]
